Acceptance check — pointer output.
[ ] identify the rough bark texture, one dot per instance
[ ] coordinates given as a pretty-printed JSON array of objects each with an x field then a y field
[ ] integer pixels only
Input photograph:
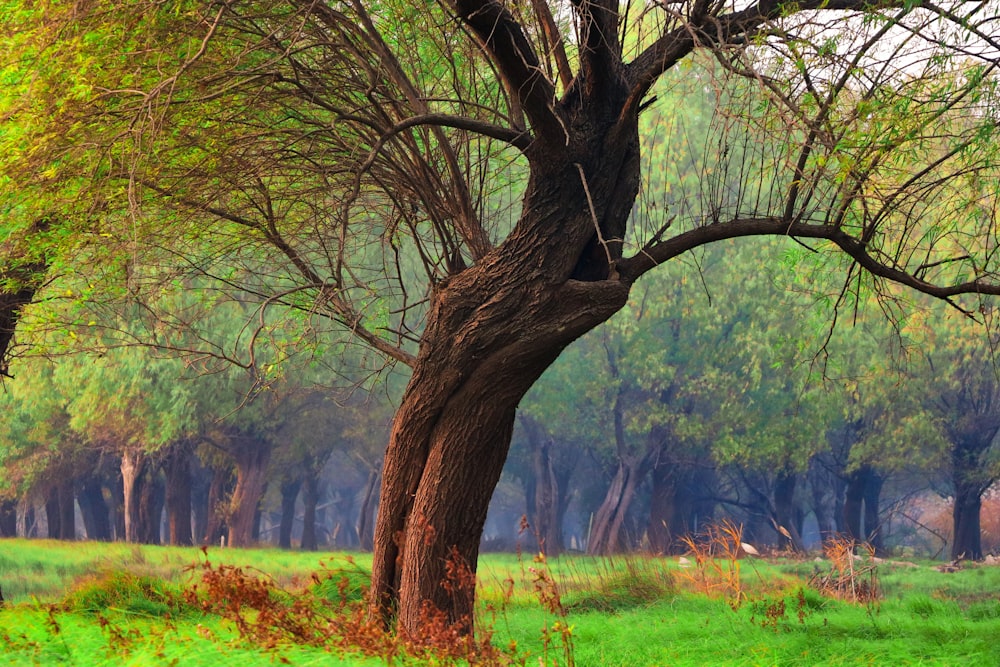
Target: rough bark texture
[{"x": 491, "y": 331}]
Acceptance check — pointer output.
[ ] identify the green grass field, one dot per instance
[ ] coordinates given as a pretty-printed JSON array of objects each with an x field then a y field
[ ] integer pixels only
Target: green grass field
[{"x": 112, "y": 604}]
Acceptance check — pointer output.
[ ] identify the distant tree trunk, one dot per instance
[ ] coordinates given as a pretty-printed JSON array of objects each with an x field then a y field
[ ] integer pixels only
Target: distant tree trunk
[
  {"x": 177, "y": 468},
  {"x": 258, "y": 515},
  {"x": 94, "y": 509},
  {"x": 970, "y": 482},
  {"x": 366, "y": 514},
  {"x": 67, "y": 510},
  {"x": 252, "y": 455},
  {"x": 218, "y": 490},
  {"x": 967, "y": 542},
  {"x": 133, "y": 466},
  {"x": 785, "y": 512},
  {"x": 822, "y": 486},
  {"x": 8, "y": 518},
  {"x": 151, "y": 500},
  {"x": 310, "y": 498},
  {"x": 52, "y": 513},
  {"x": 861, "y": 507},
  {"x": 289, "y": 494},
  {"x": 659, "y": 530},
  {"x": 873, "y": 522}
]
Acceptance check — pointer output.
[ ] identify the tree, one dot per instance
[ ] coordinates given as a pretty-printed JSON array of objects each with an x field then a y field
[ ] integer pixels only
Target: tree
[{"x": 319, "y": 139}]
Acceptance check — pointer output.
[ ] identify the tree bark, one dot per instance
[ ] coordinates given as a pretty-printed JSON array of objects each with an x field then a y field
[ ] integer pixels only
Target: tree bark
[
  {"x": 970, "y": 482},
  {"x": 491, "y": 330}
]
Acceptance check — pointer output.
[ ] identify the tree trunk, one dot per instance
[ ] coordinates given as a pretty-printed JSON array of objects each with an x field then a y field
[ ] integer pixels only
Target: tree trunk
[
  {"x": 785, "y": 512},
  {"x": 151, "y": 501},
  {"x": 967, "y": 542},
  {"x": 490, "y": 332},
  {"x": 218, "y": 490},
  {"x": 52, "y": 514},
  {"x": 252, "y": 456},
  {"x": 289, "y": 494},
  {"x": 8, "y": 518},
  {"x": 67, "y": 510},
  {"x": 661, "y": 505},
  {"x": 310, "y": 498},
  {"x": 133, "y": 465},
  {"x": 177, "y": 468},
  {"x": 366, "y": 513},
  {"x": 94, "y": 509},
  {"x": 873, "y": 522},
  {"x": 854, "y": 496}
]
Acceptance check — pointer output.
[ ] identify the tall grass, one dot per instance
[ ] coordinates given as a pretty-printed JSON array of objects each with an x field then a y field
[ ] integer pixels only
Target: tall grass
[{"x": 123, "y": 605}]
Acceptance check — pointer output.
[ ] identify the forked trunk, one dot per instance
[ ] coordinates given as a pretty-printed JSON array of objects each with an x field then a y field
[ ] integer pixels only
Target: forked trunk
[{"x": 452, "y": 432}]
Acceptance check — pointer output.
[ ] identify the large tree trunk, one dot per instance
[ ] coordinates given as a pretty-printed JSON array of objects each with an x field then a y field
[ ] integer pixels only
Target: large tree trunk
[
  {"x": 488, "y": 339},
  {"x": 873, "y": 522},
  {"x": 52, "y": 514},
  {"x": 177, "y": 468},
  {"x": 252, "y": 456},
  {"x": 491, "y": 330}
]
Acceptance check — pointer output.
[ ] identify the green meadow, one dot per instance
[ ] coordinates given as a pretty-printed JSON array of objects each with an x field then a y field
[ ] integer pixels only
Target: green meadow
[{"x": 86, "y": 603}]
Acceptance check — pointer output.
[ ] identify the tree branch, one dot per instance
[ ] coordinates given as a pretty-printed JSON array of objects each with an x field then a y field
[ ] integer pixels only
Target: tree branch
[
  {"x": 505, "y": 42},
  {"x": 630, "y": 269}
]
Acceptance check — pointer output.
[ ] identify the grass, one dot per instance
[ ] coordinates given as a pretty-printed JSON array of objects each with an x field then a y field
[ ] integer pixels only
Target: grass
[{"x": 99, "y": 604}]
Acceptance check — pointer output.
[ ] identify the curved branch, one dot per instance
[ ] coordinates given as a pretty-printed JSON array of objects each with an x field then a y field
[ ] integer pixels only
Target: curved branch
[{"x": 630, "y": 269}]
